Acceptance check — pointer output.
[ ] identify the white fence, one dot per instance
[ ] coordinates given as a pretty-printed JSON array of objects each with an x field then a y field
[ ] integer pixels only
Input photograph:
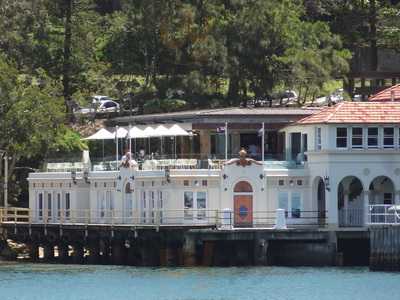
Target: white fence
[
  {"x": 384, "y": 214},
  {"x": 152, "y": 217},
  {"x": 351, "y": 217}
]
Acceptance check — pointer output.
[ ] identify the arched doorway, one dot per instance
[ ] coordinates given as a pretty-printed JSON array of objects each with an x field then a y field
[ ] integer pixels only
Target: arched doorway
[
  {"x": 128, "y": 203},
  {"x": 243, "y": 204},
  {"x": 321, "y": 204},
  {"x": 350, "y": 202},
  {"x": 381, "y": 197}
]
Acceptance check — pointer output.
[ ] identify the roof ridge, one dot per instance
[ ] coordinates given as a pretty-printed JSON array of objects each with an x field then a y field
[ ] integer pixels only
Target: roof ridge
[
  {"x": 313, "y": 115},
  {"x": 215, "y": 109},
  {"x": 389, "y": 89},
  {"x": 335, "y": 110}
]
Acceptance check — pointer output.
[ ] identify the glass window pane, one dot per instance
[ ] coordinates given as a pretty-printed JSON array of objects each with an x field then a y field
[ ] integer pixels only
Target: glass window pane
[
  {"x": 357, "y": 137},
  {"x": 296, "y": 205},
  {"x": 373, "y": 137},
  {"x": 201, "y": 205},
  {"x": 201, "y": 200},
  {"x": 341, "y": 132},
  {"x": 373, "y": 131},
  {"x": 341, "y": 137},
  {"x": 357, "y": 131},
  {"x": 388, "y": 131},
  {"x": 283, "y": 200},
  {"x": 388, "y": 137},
  {"x": 188, "y": 204},
  {"x": 188, "y": 197}
]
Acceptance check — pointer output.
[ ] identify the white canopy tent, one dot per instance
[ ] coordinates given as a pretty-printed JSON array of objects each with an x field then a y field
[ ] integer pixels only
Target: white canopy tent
[
  {"x": 102, "y": 134},
  {"x": 141, "y": 131},
  {"x": 176, "y": 130}
]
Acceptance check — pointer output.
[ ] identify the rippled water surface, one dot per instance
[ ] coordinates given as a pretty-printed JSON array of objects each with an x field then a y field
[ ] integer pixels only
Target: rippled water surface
[{"x": 67, "y": 282}]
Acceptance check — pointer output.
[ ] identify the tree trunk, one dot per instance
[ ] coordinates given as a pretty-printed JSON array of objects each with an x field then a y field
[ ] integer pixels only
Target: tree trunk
[
  {"x": 373, "y": 37},
  {"x": 233, "y": 90},
  {"x": 67, "y": 59}
]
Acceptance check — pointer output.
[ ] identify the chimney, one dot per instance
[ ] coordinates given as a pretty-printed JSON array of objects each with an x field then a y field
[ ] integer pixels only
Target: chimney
[{"x": 392, "y": 95}]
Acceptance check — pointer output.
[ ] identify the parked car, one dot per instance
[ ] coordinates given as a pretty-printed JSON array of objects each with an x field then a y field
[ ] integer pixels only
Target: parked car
[
  {"x": 103, "y": 107},
  {"x": 337, "y": 96},
  {"x": 107, "y": 106},
  {"x": 99, "y": 98},
  {"x": 286, "y": 98}
]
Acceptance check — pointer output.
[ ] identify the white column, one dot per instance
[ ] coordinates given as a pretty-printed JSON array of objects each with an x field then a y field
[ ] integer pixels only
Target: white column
[
  {"x": 226, "y": 140},
  {"x": 397, "y": 198},
  {"x": 346, "y": 208},
  {"x": 6, "y": 181},
  {"x": 331, "y": 204},
  {"x": 366, "y": 207},
  {"x": 263, "y": 142},
  {"x": 116, "y": 145}
]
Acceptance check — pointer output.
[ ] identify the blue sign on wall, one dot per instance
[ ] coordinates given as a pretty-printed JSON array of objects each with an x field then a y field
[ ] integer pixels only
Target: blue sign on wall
[{"x": 243, "y": 211}]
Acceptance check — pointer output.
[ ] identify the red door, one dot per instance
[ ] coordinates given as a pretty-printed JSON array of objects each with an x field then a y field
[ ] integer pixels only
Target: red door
[{"x": 243, "y": 207}]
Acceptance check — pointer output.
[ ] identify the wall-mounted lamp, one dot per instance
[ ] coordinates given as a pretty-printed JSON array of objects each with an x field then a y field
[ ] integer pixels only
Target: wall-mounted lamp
[
  {"x": 224, "y": 176},
  {"x": 262, "y": 176},
  {"x": 86, "y": 176},
  {"x": 119, "y": 177},
  {"x": 73, "y": 176},
  {"x": 291, "y": 182},
  {"x": 327, "y": 184},
  {"x": 132, "y": 177}
]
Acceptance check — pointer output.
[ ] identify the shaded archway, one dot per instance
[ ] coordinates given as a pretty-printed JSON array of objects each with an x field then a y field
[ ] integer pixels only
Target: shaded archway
[
  {"x": 381, "y": 198},
  {"x": 319, "y": 194},
  {"x": 381, "y": 190},
  {"x": 350, "y": 202},
  {"x": 243, "y": 204}
]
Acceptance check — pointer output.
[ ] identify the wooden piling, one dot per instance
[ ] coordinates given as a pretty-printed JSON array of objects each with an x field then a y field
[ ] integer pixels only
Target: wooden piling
[
  {"x": 189, "y": 251},
  {"x": 385, "y": 248}
]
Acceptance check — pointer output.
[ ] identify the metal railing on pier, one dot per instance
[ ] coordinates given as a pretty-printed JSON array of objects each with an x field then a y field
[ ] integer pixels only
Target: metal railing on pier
[
  {"x": 157, "y": 217},
  {"x": 384, "y": 214},
  {"x": 351, "y": 217}
]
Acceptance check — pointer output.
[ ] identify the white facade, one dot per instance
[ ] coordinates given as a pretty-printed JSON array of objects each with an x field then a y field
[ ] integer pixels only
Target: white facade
[{"x": 341, "y": 171}]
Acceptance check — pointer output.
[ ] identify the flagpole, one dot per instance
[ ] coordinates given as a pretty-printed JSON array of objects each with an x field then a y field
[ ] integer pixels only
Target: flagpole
[
  {"x": 263, "y": 142},
  {"x": 116, "y": 145},
  {"x": 226, "y": 140},
  {"x": 130, "y": 139}
]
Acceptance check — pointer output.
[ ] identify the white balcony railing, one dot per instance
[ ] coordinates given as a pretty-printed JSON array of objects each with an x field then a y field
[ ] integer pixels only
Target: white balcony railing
[
  {"x": 351, "y": 217},
  {"x": 383, "y": 214},
  {"x": 155, "y": 217}
]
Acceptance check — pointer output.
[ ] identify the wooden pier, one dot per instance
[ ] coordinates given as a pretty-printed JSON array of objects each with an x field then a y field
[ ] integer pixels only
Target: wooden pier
[
  {"x": 385, "y": 248},
  {"x": 213, "y": 243}
]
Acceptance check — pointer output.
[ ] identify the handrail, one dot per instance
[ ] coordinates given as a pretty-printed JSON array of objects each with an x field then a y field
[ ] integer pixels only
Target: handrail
[
  {"x": 383, "y": 214},
  {"x": 153, "y": 217}
]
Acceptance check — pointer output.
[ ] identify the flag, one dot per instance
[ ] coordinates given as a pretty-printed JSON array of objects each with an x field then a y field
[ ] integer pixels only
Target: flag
[{"x": 260, "y": 132}]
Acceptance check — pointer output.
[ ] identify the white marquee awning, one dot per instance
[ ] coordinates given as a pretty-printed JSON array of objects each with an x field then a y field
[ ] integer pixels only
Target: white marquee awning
[
  {"x": 177, "y": 130},
  {"x": 136, "y": 132},
  {"x": 142, "y": 131},
  {"x": 121, "y": 132},
  {"x": 102, "y": 134}
]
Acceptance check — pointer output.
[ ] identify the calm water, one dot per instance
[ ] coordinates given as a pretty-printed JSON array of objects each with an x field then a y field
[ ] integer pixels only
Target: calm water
[{"x": 62, "y": 282}]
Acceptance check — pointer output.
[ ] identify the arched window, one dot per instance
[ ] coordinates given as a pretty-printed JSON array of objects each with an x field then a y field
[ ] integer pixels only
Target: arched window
[
  {"x": 128, "y": 189},
  {"x": 243, "y": 187}
]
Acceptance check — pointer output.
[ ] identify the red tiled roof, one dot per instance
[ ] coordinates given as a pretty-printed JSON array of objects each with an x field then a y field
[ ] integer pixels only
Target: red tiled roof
[
  {"x": 356, "y": 113},
  {"x": 386, "y": 94}
]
